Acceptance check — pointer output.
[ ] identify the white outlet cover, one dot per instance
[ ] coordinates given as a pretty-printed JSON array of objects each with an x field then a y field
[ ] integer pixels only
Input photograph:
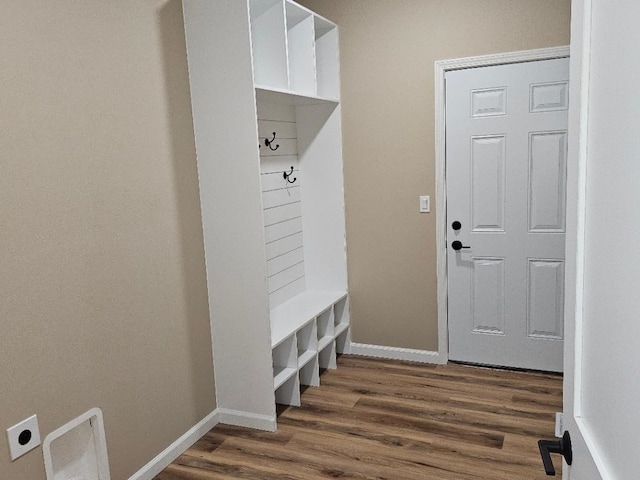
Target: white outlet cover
[{"x": 18, "y": 433}]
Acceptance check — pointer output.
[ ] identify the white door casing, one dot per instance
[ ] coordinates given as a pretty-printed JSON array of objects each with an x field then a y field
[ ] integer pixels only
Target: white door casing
[
  {"x": 601, "y": 386},
  {"x": 506, "y": 142}
]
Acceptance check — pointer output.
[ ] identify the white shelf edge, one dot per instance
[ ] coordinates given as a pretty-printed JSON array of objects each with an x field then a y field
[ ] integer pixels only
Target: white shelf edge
[
  {"x": 293, "y": 315},
  {"x": 281, "y": 375},
  {"x": 341, "y": 298},
  {"x": 312, "y": 12},
  {"x": 275, "y": 341},
  {"x": 306, "y": 357},
  {"x": 324, "y": 342},
  {"x": 289, "y": 97},
  {"x": 340, "y": 329}
]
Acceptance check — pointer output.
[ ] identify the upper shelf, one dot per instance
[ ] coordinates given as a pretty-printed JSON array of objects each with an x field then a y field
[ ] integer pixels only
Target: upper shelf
[
  {"x": 294, "y": 50},
  {"x": 288, "y": 97}
]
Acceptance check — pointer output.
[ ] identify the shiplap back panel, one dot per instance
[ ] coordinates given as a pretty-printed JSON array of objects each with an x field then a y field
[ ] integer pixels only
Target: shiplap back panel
[{"x": 282, "y": 211}]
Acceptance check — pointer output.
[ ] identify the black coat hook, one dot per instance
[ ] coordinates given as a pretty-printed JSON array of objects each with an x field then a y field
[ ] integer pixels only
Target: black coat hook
[
  {"x": 286, "y": 176},
  {"x": 268, "y": 142}
]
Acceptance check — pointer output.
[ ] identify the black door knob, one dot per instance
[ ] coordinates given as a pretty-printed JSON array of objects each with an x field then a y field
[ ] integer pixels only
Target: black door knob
[
  {"x": 562, "y": 446},
  {"x": 457, "y": 245},
  {"x": 456, "y": 225}
]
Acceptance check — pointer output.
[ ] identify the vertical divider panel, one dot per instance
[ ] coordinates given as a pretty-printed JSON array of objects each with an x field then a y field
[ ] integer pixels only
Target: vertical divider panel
[
  {"x": 307, "y": 342},
  {"x": 326, "y": 54},
  {"x": 308, "y": 355},
  {"x": 301, "y": 50},
  {"x": 325, "y": 328},
  {"x": 343, "y": 342},
  {"x": 285, "y": 360},
  {"x": 289, "y": 392},
  {"x": 269, "y": 43},
  {"x": 222, "y": 90},
  {"x": 310, "y": 373},
  {"x": 341, "y": 322},
  {"x": 327, "y": 357},
  {"x": 341, "y": 312}
]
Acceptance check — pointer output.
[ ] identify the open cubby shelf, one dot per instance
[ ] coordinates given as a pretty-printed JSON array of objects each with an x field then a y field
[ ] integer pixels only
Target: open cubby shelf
[
  {"x": 291, "y": 316},
  {"x": 324, "y": 341},
  {"x": 281, "y": 375},
  {"x": 294, "y": 49},
  {"x": 306, "y": 357},
  {"x": 308, "y": 321},
  {"x": 341, "y": 328}
]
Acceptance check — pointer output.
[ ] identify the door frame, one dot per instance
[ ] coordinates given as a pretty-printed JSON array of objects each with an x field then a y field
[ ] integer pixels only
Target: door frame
[
  {"x": 585, "y": 447},
  {"x": 441, "y": 68}
]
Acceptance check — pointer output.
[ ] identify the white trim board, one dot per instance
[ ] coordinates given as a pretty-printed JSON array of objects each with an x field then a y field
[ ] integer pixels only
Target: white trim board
[
  {"x": 395, "y": 353},
  {"x": 248, "y": 420},
  {"x": 441, "y": 67},
  {"x": 173, "y": 451},
  {"x": 195, "y": 433}
]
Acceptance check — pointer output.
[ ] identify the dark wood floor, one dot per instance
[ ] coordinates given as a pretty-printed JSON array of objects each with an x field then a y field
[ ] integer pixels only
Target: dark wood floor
[{"x": 380, "y": 419}]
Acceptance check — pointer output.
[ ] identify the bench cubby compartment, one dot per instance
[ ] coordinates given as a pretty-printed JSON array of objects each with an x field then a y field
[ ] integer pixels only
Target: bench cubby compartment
[{"x": 308, "y": 321}]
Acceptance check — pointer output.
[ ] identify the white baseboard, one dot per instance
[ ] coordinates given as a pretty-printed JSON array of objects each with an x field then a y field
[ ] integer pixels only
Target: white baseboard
[
  {"x": 248, "y": 420},
  {"x": 177, "y": 448},
  {"x": 219, "y": 415},
  {"x": 395, "y": 353}
]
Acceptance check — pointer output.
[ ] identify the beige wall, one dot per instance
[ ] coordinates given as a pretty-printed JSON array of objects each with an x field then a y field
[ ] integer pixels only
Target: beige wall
[
  {"x": 102, "y": 280},
  {"x": 387, "y": 50}
]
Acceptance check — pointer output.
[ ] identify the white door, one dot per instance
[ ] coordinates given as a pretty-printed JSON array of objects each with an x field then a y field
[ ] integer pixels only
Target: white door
[
  {"x": 602, "y": 385},
  {"x": 506, "y": 145}
]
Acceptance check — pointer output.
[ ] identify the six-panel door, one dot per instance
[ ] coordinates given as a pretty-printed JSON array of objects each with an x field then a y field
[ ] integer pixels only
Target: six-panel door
[{"x": 506, "y": 134}]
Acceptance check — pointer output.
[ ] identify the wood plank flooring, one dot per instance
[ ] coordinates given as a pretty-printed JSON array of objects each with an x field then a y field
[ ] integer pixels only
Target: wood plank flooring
[{"x": 382, "y": 419}]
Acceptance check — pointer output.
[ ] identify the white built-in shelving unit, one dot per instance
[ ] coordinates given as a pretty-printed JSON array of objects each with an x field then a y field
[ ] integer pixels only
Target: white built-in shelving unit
[{"x": 264, "y": 78}]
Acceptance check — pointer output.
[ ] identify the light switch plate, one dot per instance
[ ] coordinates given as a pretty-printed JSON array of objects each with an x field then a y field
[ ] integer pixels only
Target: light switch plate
[
  {"x": 559, "y": 424},
  {"x": 23, "y": 437},
  {"x": 425, "y": 204}
]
